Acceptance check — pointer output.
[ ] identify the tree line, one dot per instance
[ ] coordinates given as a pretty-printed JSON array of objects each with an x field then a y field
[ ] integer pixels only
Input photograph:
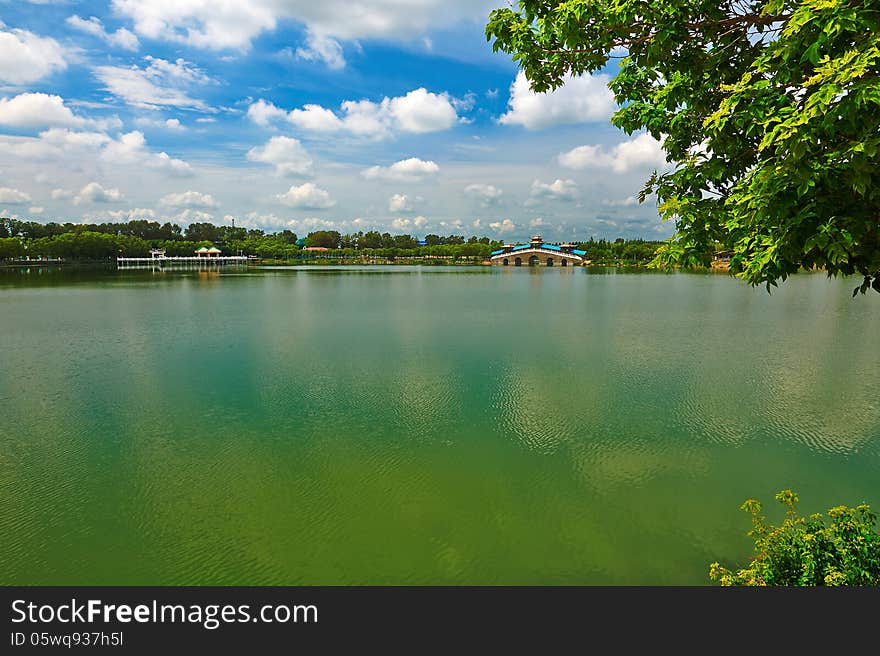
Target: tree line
[{"x": 102, "y": 241}]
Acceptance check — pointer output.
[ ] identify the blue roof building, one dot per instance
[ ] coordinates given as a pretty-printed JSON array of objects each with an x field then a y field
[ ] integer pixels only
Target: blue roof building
[{"x": 537, "y": 253}]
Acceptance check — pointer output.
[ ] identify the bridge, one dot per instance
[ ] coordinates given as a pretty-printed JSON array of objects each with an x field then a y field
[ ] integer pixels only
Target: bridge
[{"x": 537, "y": 253}]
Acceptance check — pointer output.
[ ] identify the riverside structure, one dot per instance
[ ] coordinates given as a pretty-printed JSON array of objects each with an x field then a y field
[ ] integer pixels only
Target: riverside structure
[{"x": 537, "y": 253}]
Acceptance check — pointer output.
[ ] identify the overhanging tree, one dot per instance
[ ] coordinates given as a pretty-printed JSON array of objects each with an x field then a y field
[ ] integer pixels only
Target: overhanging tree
[{"x": 768, "y": 111}]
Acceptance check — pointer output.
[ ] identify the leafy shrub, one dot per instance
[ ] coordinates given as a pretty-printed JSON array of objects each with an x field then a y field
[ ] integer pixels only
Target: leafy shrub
[{"x": 806, "y": 551}]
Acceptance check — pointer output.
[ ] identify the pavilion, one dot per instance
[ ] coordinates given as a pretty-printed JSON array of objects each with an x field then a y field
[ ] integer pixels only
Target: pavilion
[{"x": 208, "y": 252}]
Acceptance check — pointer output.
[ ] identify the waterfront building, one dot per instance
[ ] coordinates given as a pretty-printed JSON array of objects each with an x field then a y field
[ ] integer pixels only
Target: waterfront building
[
  {"x": 539, "y": 253},
  {"x": 208, "y": 252}
]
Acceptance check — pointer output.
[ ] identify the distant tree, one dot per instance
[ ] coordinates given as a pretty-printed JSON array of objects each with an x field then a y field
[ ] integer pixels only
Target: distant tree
[
  {"x": 287, "y": 236},
  {"x": 371, "y": 239},
  {"x": 325, "y": 238},
  {"x": 404, "y": 241},
  {"x": 809, "y": 551},
  {"x": 433, "y": 240},
  {"x": 204, "y": 232},
  {"x": 10, "y": 247},
  {"x": 767, "y": 110}
]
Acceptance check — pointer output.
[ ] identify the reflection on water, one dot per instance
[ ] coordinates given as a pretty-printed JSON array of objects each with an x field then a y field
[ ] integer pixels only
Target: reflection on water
[{"x": 419, "y": 425}]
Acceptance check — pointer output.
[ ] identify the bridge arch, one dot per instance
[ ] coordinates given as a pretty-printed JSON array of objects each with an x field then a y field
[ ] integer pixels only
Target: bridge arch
[
  {"x": 533, "y": 260},
  {"x": 549, "y": 261},
  {"x": 517, "y": 262}
]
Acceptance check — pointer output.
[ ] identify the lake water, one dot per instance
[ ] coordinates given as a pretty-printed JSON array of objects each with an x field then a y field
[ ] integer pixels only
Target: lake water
[{"x": 407, "y": 425}]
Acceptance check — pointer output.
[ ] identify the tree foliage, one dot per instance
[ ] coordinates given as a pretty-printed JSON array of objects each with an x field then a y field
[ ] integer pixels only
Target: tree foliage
[
  {"x": 768, "y": 111},
  {"x": 807, "y": 551}
]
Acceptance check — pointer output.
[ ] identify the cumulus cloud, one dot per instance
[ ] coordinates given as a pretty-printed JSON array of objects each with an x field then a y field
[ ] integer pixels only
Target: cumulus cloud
[
  {"x": 263, "y": 113},
  {"x": 487, "y": 194},
  {"x": 403, "y": 203},
  {"x": 94, "y": 192},
  {"x": 121, "y": 38},
  {"x": 406, "y": 170},
  {"x": 401, "y": 224},
  {"x": 503, "y": 227},
  {"x": 166, "y": 124},
  {"x": 57, "y": 144},
  {"x": 580, "y": 100},
  {"x": 287, "y": 155},
  {"x": 322, "y": 48},
  {"x": 641, "y": 152},
  {"x": 222, "y": 25},
  {"x": 418, "y": 112},
  {"x": 537, "y": 222},
  {"x": 133, "y": 214},
  {"x": 308, "y": 196},
  {"x": 36, "y": 210},
  {"x": 26, "y": 57},
  {"x": 629, "y": 201},
  {"x": 160, "y": 84},
  {"x": 130, "y": 148},
  {"x": 188, "y": 199},
  {"x": 61, "y": 194},
  {"x": 190, "y": 215},
  {"x": 419, "y": 221},
  {"x": 556, "y": 190},
  {"x": 13, "y": 196},
  {"x": 31, "y": 110}
]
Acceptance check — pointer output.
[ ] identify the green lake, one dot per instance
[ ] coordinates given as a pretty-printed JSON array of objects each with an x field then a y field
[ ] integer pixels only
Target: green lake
[{"x": 420, "y": 425}]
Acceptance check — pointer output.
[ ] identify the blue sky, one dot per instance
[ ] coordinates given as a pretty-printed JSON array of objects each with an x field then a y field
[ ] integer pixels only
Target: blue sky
[{"x": 345, "y": 114}]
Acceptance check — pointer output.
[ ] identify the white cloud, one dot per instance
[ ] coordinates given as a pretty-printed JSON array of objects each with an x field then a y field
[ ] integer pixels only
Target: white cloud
[
  {"x": 503, "y": 227},
  {"x": 121, "y": 38},
  {"x": 287, "y": 155},
  {"x": 133, "y": 214},
  {"x": 320, "y": 47},
  {"x": 93, "y": 192},
  {"x": 26, "y": 57},
  {"x": 406, "y": 170},
  {"x": 558, "y": 189},
  {"x": 308, "y": 196},
  {"x": 30, "y": 110},
  {"x": 130, "y": 148},
  {"x": 641, "y": 152},
  {"x": 314, "y": 223},
  {"x": 486, "y": 194},
  {"x": 629, "y": 201},
  {"x": 263, "y": 113},
  {"x": 13, "y": 196},
  {"x": 61, "y": 194},
  {"x": 421, "y": 111},
  {"x": 164, "y": 162},
  {"x": 537, "y": 222},
  {"x": 166, "y": 124},
  {"x": 188, "y": 199},
  {"x": 580, "y": 100},
  {"x": 192, "y": 216},
  {"x": 401, "y": 224},
  {"x": 36, "y": 210},
  {"x": 419, "y": 221},
  {"x": 403, "y": 203},
  {"x": 418, "y": 112},
  {"x": 160, "y": 84},
  {"x": 229, "y": 24}
]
